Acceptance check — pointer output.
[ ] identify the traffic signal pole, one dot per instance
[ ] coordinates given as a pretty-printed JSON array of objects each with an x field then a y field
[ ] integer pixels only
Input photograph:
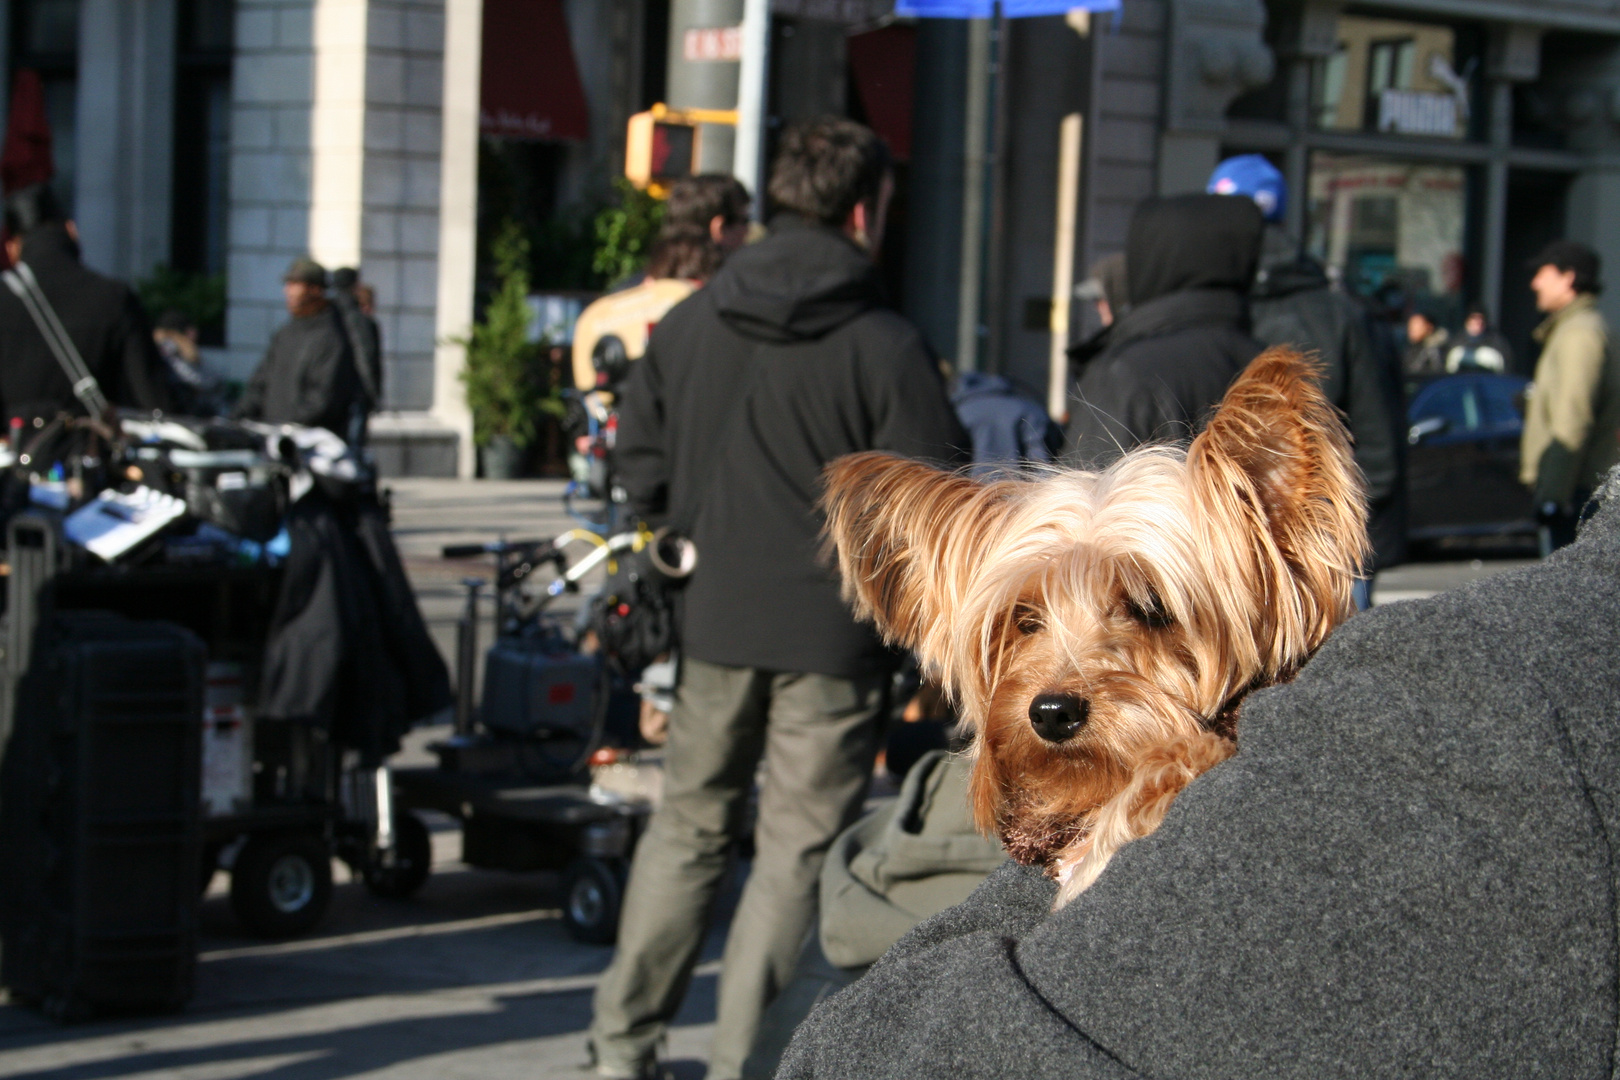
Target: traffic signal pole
[{"x": 752, "y": 80}]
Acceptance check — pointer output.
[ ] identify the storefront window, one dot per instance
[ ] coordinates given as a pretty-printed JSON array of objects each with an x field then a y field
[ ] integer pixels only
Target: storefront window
[
  {"x": 1395, "y": 78},
  {"x": 1381, "y": 224}
]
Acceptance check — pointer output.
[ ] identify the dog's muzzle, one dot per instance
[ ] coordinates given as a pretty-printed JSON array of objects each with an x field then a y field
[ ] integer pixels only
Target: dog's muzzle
[{"x": 1058, "y": 717}]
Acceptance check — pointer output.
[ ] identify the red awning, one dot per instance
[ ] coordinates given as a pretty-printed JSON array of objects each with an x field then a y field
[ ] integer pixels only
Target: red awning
[
  {"x": 884, "y": 63},
  {"x": 530, "y": 87},
  {"x": 27, "y": 158}
]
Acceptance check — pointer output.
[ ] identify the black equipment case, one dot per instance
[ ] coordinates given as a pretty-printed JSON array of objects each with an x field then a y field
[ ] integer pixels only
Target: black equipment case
[{"x": 100, "y": 826}]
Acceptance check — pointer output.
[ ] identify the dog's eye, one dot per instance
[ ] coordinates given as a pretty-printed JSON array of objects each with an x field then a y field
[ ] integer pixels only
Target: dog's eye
[
  {"x": 1149, "y": 611},
  {"x": 1027, "y": 619}
]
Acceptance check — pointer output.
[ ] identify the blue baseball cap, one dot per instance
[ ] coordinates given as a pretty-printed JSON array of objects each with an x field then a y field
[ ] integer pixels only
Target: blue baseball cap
[{"x": 1254, "y": 176}]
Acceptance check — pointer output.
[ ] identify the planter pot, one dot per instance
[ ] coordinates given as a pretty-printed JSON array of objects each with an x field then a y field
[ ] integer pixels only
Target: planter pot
[{"x": 502, "y": 459}]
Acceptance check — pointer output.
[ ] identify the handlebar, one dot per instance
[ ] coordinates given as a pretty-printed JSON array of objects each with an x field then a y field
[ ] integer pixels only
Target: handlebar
[{"x": 493, "y": 547}]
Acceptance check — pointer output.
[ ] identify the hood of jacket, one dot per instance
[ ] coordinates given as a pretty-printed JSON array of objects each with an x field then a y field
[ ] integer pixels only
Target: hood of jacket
[
  {"x": 801, "y": 282},
  {"x": 1192, "y": 242},
  {"x": 50, "y": 242}
]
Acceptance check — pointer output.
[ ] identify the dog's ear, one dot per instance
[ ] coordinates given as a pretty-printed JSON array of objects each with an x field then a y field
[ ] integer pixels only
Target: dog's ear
[
  {"x": 905, "y": 534},
  {"x": 1275, "y": 461}
]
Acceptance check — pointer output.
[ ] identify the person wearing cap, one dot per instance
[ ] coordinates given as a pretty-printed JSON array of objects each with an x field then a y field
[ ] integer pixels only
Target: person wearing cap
[
  {"x": 1294, "y": 303},
  {"x": 308, "y": 375},
  {"x": 1427, "y": 342},
  {"x": 1572, "y": 413},
  {"x": 102, "y": 317}
]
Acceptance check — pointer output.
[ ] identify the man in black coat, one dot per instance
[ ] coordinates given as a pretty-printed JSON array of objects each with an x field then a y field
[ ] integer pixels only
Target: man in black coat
[
  {"x": 308, "y": 375},
  {"x": 1189, "y": 262},
  {"x": 102, "y": 317},
  {"x": 1294, "y": 303},
  {"x": 1408, "y": 869},
  {"x": 785, "y": 361}
]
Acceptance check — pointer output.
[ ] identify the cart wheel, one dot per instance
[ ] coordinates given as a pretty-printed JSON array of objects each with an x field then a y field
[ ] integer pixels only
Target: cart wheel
[
  {"x": 281, "y": 883},
  {"x": 413, "y": 860},
  {"x": 593, "y": 890}
]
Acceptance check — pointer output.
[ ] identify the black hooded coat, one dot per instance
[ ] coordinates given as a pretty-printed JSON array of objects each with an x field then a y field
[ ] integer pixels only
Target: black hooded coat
[
  {"x": 1189, "y": 261},
  {"x": 785, "y": 361},
  {"x": 102, "y": 317}
]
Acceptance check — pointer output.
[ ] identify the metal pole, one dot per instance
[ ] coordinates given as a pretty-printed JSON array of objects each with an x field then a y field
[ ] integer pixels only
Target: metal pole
[
  {"x": 467, "y": 656},
  {"x": 1068, "y": 196},
  {"x": 752, "y": 79},
  {"x": 973, "y": 163}
]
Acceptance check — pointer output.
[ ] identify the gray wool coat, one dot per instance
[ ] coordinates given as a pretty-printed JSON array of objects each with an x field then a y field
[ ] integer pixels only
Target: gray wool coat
[{"x": 1407, "y": 870}]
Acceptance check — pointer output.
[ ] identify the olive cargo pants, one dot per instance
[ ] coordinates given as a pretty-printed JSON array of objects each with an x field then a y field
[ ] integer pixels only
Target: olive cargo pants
[{"x": 818, "y": 736}]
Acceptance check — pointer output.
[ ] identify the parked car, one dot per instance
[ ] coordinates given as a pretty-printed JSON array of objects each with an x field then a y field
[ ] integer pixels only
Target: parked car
[{"x": 1463, "y": 457}]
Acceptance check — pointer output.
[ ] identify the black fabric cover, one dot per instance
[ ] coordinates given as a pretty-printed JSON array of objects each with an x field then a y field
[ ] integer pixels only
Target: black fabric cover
[
  {"x": 1408, "y": 869},
  {"x": 348, "y": 648},
  {"x": 105, "y": 322},
  {"x": 788, "y": 358}
]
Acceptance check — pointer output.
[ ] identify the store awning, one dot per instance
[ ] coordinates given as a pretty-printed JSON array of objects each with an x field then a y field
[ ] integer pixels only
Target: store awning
[
  {"x": 984, "y": 9},
  {"x": 530, "y": 87},
  {"x": 27, "y": 158},
  {"x": 884, "y": 64}
]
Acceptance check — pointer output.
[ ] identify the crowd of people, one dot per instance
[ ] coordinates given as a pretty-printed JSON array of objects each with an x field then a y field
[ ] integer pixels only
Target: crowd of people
[{"x": 782, "y": 356}]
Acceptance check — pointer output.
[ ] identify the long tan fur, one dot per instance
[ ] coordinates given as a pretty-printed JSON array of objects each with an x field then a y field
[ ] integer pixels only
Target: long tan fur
[{"x": 1160, "y": 591}]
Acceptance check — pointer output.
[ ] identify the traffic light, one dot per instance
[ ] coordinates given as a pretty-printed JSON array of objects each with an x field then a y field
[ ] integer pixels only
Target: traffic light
[{"x": 665, "y": 144}]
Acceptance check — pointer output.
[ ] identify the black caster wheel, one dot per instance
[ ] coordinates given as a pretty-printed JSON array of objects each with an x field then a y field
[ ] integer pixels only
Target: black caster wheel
[
  {"x": 593, "y": 893},
  {"x": 413, "y": 860},
  {"x": 281, "y": 883}
]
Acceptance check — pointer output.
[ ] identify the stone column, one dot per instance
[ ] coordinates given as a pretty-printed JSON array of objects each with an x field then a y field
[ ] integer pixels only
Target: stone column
[
  {"x": 458, "y": 218},
  {"x": 1215, "y": 53},
  {"x": 273, "y": 94},
  {"x": 337, "y": 130},
  {"x": 125, "y": 140}
]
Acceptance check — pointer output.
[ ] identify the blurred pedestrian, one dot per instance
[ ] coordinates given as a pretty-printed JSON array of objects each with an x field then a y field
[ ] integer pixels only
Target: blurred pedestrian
[
  {"x": 786, "y": 360},
  {"x": 1427, "y": 341},
  {"x": 365, "y": 341},
  {"x": 1572, "y": 413},
  {"x": 193, "y": 389},
  {"x": 1481, "y": 348},
  {"x": 1008, "y": 427},
  {"x": 1189, "y": 263},
  {"x": 705, "y": 219},
  {"x": 104, "y": 322},
  {"x": 308, "y": 375},
  {"x": 1294, "y": 303}
]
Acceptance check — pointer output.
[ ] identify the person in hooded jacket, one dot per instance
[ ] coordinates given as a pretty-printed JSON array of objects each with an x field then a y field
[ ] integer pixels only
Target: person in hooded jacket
[
  {"x": 786, "y": 360},
  {"x": 103, "y": 319},
  {"x": 1189, "y": 262},
  {"x": 1294, "y": 303}
]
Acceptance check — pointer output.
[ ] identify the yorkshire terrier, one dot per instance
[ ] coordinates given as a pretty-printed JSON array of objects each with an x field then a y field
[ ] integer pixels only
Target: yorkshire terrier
[{"x": 1100, "y": 630}]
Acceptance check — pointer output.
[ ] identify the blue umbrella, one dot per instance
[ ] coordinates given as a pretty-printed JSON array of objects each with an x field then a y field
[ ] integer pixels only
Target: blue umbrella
[{"x": 984, "y": 9}]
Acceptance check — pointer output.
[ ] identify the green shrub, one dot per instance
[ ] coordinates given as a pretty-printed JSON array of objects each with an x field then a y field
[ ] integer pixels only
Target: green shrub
[
  {"x": 200, "y": 296},
  {"x": 625, "y": 232},
  {"x": 503, "y": 389}
]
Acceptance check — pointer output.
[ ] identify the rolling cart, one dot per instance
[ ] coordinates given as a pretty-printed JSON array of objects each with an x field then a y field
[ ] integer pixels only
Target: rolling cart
[{"x": 516, "y": 772}]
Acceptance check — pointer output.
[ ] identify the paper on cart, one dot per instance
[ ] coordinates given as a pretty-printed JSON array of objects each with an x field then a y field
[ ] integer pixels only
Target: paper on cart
[{"x": 115, "y": 522}]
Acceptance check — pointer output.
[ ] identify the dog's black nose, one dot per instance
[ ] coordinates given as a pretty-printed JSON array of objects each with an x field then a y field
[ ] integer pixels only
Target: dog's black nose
[{"x": 1056, "y": 717}]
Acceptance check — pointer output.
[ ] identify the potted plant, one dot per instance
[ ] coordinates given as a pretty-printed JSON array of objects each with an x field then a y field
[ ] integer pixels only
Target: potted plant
[{"x": 504, "y": 392}]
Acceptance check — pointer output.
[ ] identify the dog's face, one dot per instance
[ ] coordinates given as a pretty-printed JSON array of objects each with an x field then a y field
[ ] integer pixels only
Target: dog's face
[{"x": 1095, "y": 627}]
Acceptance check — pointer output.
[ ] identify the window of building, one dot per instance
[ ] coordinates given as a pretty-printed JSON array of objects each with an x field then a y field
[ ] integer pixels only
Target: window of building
[
  {"x": 1395, "y": 78},
  {"x": 202, "y": 135},
  {"x": 1381, "y": 224},
  {"x": 45, "y": 38}
]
